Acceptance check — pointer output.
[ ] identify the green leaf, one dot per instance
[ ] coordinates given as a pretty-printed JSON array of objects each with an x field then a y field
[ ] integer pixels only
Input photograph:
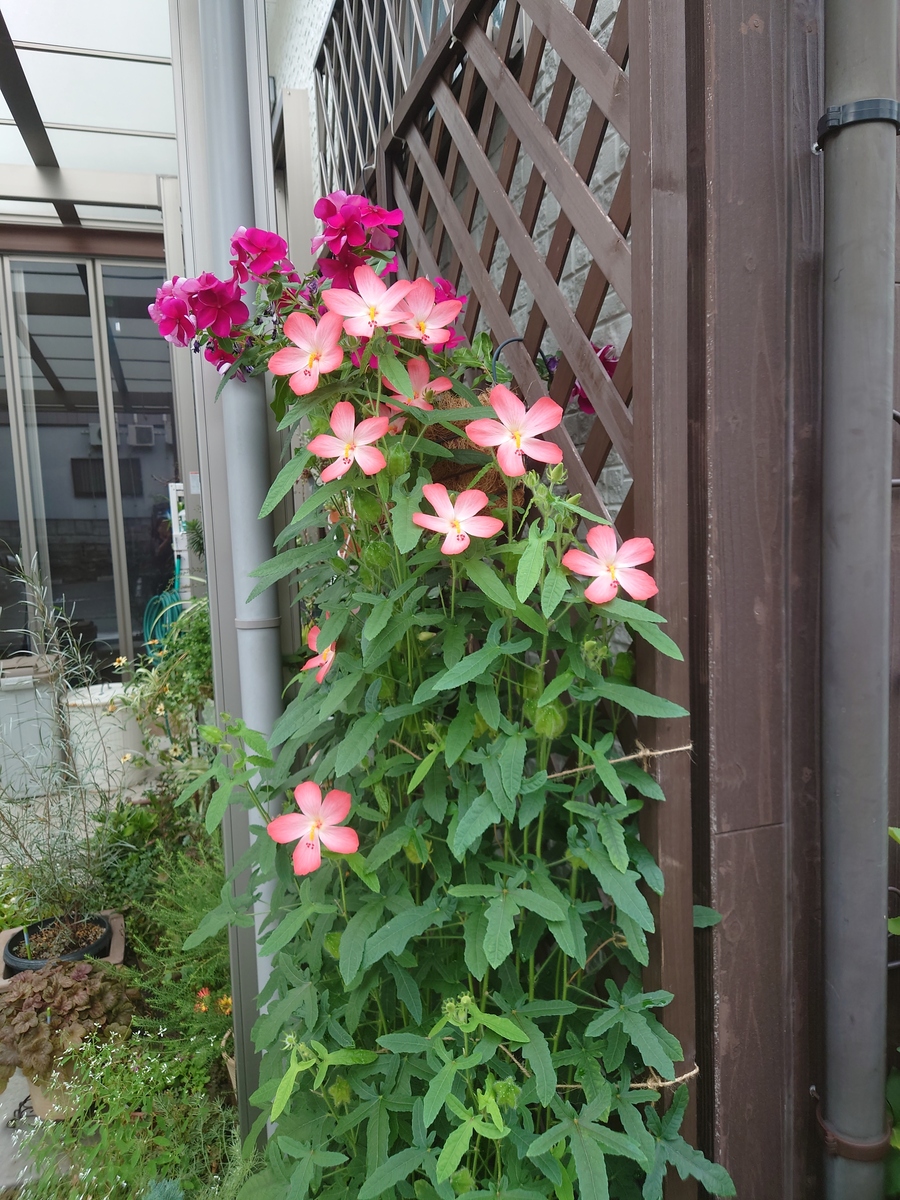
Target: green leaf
[
  {"x": 537, "y": 1054},
  {"x": 627, "y": 610},
  {"x": 688, "y": 1161},
  {"x": 479, "y": 816},
  {"x": 378, "y": 618},
  {"x": 392, "y": 937},
  {"x": 354, "y": 938},
  {"x": 705, "y": 917},
  {"x": 284, "y": 481},
  {"x": 459, "y": 734},
  {"x": 387, "y": 846},
  {"x": 406, "y": 534},
  {"x": 390, "y": 1173},
  {"x": 405, "y": 1043},
  {"x": 504, "y": 1026},
  {"x": 438, "y": 1091},
  {"x": 621, "y": 887},
  {"x": 474, "y": 955},
  {"x": 488, "y": 704},
  {"x": 590, "y": 1165},
  {"x": 319, "y": 497},
  {"x": 357, "y": 742},
  {"x": 554, "y": 587},
  {"x": 512, "y": 764},
  {"x": 657, "y": 638},
  {"x": 555, "y": 688},
  {"x": 501, "y": 920},
  {"x": 454, "y": 1148},
  {"x": 290, "y": 926},
  {"x": 467, "y": 669},
  {"x": 529, "y": 569},
  {"x": 613, "y": 837},
  {"x": 285, "y": 1087},
  {"x": 487, "y": 581},
  {"x": 221, "y": 798},
  {"x": 407, "y": 990},
  {"x": 893, "y": 923},
  {"x": 638, "y": 702},
  {"x": 422, "y": 770},
  {"x": 648, "y": 1045},
  {"x": 397, "y": 376}
]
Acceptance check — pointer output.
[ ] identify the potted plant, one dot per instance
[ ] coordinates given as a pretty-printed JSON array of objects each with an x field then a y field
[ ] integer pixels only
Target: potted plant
[
  {"x": 457, "y": 889},
  {"x": 45, "y": 1012},
  {"x": 52, "y": 823}
]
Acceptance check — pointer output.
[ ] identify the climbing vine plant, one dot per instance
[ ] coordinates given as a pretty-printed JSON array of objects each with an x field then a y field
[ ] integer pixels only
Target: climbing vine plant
[{"x": 457, "y": 894}]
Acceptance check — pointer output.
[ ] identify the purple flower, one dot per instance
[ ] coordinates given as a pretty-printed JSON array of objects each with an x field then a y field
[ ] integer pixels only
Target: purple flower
[{"x": 217, "y": 304}]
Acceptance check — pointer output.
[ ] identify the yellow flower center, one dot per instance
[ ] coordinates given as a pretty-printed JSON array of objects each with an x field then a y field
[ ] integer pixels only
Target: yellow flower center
[
  {"x": 314, "y": 358},
  {"x": 373, "y": 312},
  {"x": 456, "y": 527},
  {"x": 420, "y": 325},
  {"x": 348, "y": 449},
  {"x": 612, "y": 571},
  {"x": 517, "y": 438}
]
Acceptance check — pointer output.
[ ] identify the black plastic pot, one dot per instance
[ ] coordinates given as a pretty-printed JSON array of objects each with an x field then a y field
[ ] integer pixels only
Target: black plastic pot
[{"x": 97, "y": 949}]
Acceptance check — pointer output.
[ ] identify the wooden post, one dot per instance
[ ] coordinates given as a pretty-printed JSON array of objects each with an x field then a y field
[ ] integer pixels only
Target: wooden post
[{"x": 659, "y": 249}]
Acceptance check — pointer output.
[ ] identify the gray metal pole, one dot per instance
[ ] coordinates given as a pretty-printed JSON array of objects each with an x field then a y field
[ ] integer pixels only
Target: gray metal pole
[{"x": 858, "y": 273}]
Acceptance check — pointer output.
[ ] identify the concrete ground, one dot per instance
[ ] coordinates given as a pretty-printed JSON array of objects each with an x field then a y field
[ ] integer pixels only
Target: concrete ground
[{"x": 15, "y": 1167}]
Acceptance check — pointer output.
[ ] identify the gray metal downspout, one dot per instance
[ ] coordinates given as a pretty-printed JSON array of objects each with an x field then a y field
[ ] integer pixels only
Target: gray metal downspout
[
  {"x": 858, "y": 274},
  {"x": 244, "y": 404}
]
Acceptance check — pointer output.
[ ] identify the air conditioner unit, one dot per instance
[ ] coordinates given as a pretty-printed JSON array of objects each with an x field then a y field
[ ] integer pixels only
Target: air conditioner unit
[
  {"x": 95, "y": 434},
  {"x": 141, "y": 435}
]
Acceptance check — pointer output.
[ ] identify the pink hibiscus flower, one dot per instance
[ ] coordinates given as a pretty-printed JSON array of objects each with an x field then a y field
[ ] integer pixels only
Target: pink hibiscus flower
[
  {"x": 317, "y": 824},
  {"x": 515, "y": 433},
  {"x": 424, "y": 387},
  {"x": 613, "y": 567},
  {"x": 317, "y": 352},
  {"x": 351, "y": 443},
  {"x": 373, "y": 306},
  {"x": 607, "y": 356},
  {"x": 421, "y": 318},
  {"x": 325, "y": 660},
  {"x": 457, "y": 520}
]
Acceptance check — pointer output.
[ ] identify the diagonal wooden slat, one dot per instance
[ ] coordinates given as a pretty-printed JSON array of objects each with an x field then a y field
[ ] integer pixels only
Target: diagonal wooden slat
[
  {"x": 602, "y": 78},
  {"x": 560, "y": 317},
  {"x": 414, "y": 230},
  {"x": 596, "y": 230},
  {"x": 524, "y": 369}
]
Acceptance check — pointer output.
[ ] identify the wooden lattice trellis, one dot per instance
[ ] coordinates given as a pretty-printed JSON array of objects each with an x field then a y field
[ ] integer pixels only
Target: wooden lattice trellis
[{"x": 538, "y": 153}]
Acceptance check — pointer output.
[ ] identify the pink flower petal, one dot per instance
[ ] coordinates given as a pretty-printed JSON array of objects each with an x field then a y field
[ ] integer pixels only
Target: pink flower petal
[
  {"x": 583, "y": 564},
  {"x": 509, "y": 408},
  {"x": 419, "y": 373},
  {"x": 426, "y": 521},
  {"x": 344, "y": 302},
  {"x": 309, "y": 798},
  {"x": 288, "y": 360},
  {"x": 331, "y": 359},
  {"x": 546, "y": 452},
  {"x": 483, "y": 526},
  {"x": 370, "y": 287},
  {"x": 455, "y": 543},
  {"x": 370, "y": 430},
  {"x": 305, "y": 381},
  {"x": 544, "y": 414},
  {"x": 343, "y": 420},
  {"x": 510, "y": 460},
  {"x": 439, "y": 499},
  {"x": 326, "y": 446},
  {"x": 486, "y": 432},
  {"x": 307, "y": 856},
  {"x": 602, "y": 540},
  {"x": 469, "y": 502},
  {"x": 636, "y": 583},
  {"x": 601, "y": 590},
  {"x": 370, "y": 459},
  {"x": 635, "y": 551},
  {"x": 329, "y": 329},
  {"x": 335, "y": 807},
  {"x": 340, "y": 839},
  {"x": 312, "y": 637},
  {"x": 328, "y": 661},
  {"x": 339, "y": 467},
  {"x": 288, "y": 827},
  {"x": 301, "y": 329}
]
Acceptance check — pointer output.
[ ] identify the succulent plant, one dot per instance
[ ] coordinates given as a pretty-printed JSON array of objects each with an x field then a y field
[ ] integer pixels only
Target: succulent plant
[{"x": 45, "y": 1012}]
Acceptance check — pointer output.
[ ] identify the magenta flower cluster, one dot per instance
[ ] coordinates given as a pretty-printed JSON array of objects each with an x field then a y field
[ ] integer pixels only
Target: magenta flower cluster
[
  {"x": 185, "y": 308},
  {"x": 354, "y": 228}
]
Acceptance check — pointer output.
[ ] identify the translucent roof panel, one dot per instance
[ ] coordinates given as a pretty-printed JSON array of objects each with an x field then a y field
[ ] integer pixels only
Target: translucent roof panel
[
  {"x": 78, "y": 90},
  {"x": 114, "y": 152},
  {"x": 135, "y": 28},
  {"x": 93, "y": 214},
  {"x": 12, "y": 147}
]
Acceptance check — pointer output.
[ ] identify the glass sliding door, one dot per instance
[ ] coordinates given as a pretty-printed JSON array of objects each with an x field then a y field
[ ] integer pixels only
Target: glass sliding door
[
  {"x": 63, "y": 430},
  {"x": 13, "y": 612},
  {"x": 141, "y": 385}
]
